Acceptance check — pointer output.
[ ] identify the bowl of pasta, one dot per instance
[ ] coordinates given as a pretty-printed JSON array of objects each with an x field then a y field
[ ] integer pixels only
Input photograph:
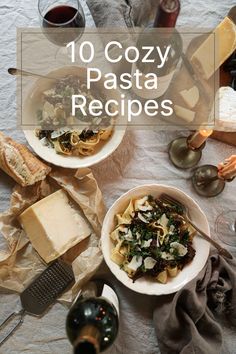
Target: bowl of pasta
[
  {"x": 71, "y": 140},
  {"x": 148, "y": 245}
]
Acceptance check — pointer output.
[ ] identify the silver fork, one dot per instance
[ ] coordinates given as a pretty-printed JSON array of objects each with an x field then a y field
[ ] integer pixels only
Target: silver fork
[{"x": 170, "y": 200}]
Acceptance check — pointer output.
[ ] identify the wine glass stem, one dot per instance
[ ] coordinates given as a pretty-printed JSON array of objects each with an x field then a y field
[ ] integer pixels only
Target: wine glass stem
[{"x": 233, "y": 226}]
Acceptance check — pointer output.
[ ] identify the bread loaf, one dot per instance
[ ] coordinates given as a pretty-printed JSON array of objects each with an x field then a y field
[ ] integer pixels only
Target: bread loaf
[{"x": 19, "y": 163}]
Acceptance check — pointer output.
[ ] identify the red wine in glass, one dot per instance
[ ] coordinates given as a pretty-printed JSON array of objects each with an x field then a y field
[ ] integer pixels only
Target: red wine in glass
[{"x": 61, "y": 18}]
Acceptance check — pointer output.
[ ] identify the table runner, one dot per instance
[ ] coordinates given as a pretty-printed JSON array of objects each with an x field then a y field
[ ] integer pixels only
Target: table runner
[{"x": 125, "y": 166}]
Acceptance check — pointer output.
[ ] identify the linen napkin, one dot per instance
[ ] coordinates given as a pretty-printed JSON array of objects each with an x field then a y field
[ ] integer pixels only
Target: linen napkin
[
  {"x": 186, "y": 322},
  {"x": 122, "y": 13}
]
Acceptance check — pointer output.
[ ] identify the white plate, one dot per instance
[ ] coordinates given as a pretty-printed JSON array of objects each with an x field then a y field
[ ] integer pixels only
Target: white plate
[
  {"x": 33, "y": 102},
  {"x": 144, "y": 285},
  {"x": 49, "y": 154}
]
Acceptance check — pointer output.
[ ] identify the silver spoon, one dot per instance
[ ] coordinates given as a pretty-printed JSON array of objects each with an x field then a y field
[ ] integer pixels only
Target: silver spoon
[{"x": 16, "y": 72}]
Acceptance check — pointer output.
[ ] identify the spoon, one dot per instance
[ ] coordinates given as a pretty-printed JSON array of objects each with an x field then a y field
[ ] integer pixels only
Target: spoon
[{"x": 16, "y": 72}]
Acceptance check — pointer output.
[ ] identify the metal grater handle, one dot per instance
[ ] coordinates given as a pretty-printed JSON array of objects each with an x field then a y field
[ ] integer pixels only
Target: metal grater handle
[{"x": 19, "y": 314}]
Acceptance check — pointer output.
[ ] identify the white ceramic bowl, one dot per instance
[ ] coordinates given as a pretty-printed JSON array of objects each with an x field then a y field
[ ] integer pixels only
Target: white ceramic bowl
[
  {"x": 145, "y": 285},
  {"x": 49, "y": 154},
  {"x": 33, "y": 102}
]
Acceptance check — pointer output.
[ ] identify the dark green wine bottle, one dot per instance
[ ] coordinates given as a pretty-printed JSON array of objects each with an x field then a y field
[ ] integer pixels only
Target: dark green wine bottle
[{"x": 93, "y": 320}]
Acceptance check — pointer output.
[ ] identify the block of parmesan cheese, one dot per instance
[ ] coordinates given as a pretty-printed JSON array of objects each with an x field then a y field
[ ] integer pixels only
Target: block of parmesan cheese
[
  {"x": 54, "y": 225},
  {"x": 218, "y": 46}
]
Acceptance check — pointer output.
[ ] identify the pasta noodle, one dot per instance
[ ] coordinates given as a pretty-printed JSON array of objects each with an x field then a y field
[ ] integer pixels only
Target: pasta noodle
[
  {"x": 57, "y": 124},
  {"x": 152, "y": 239}
]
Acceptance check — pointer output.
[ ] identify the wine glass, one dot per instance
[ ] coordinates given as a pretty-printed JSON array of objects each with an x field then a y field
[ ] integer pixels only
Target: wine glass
[
  {"x": 62, "y": 21},
  {"x": 226, "y": 227}
]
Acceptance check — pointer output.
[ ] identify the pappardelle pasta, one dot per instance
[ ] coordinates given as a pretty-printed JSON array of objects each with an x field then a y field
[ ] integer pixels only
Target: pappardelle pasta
[
  {"x": 67, "y": 134},
  {"x": 152, "y": 238}
]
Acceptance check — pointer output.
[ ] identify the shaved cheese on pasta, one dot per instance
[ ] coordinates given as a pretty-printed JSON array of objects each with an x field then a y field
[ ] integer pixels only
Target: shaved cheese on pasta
[
  {"x": 163, "y": 220},
  {"x": 167, "y": 256},
  {"x": 147, "y": 243},
  {"x": 128, "y": 236},
  {"x": 141, "y": 217},
  {"x": 149, "y": 263},
  {"x": 135, "y": 263},
  {"x": 181, "y": 249},
  {"x": 139, "y": 202}
]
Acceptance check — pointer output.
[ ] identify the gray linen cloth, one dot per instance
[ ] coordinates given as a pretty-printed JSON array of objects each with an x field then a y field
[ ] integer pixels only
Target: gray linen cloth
[
  {"x": 121, "y": 13},
  {"x": 187, "y": 322}
]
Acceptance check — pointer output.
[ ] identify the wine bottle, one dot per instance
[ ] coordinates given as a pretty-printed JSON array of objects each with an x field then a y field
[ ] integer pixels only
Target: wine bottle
[
  {"x": 167, "y": 13},
  {"x": 166, "y": 17},
  {"x": 93, "y": 320}
]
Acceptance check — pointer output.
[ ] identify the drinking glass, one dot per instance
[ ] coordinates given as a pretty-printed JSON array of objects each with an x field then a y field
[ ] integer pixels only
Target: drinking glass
[
  {"x": 62, "y": 21},
  {"x": 226, "y": 227}
]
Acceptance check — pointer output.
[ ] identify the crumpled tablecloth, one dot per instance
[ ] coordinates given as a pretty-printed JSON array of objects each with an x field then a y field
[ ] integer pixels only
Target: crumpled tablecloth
[{"x": 141, "y": 158}]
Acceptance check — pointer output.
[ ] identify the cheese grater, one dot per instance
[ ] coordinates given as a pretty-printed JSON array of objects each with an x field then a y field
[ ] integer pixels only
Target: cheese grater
[{"x": 42, "y": 292}]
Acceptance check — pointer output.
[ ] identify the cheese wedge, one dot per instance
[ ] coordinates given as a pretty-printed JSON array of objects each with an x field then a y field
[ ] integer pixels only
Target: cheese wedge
[
  {"x": 227, "y": 103},
  {"x": 225, "y": 109},
  {"x": 54, "y": 225},
  {"x": 190, "y": 96},
  {"x": 216, "y": 48},
  {"x": 184, "y": 113}
]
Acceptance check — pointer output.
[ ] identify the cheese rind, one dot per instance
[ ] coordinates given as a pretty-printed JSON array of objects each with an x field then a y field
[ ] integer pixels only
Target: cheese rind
[
  {"x": 218, "y": 46},
  {"x": 54, "y": 225}
]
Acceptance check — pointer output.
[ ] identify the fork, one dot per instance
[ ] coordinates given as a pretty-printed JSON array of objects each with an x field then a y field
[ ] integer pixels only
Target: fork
[{"x": 164, "y": 198}]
